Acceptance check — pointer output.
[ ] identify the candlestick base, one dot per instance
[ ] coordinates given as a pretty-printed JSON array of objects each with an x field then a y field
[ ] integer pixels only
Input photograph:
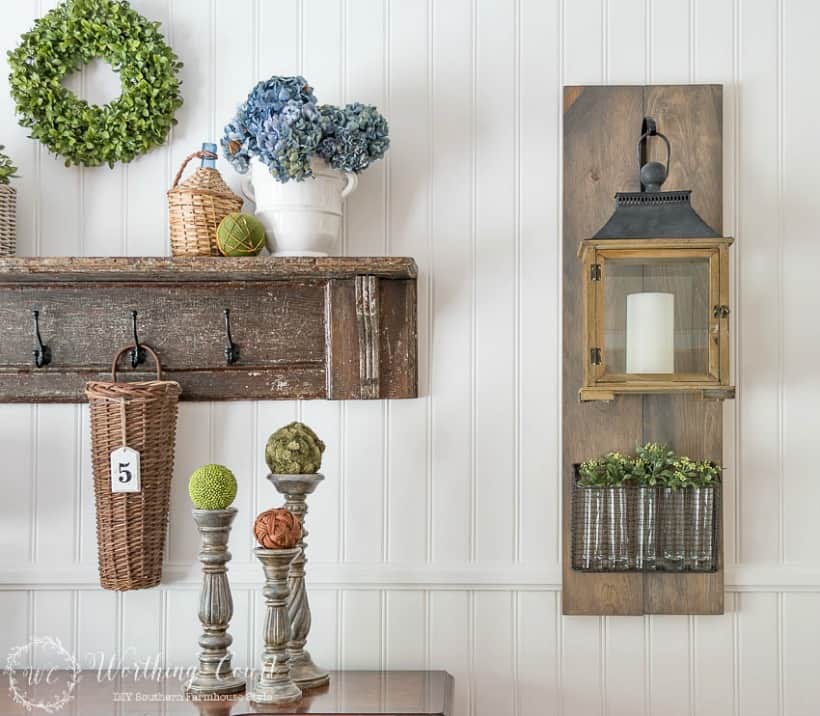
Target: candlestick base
[
  {"x": 201, "y": 686},
  {"x": 281, "y": 693},
  {"x": 305, "y": 673}
]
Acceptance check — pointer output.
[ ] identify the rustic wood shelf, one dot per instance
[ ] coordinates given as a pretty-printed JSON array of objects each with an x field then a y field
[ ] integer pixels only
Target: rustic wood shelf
[{"x": 330, "y": 327}]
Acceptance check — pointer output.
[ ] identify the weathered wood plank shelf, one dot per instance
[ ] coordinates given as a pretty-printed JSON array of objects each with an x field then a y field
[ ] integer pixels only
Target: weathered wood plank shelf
[{"x": 330, "y": 327}]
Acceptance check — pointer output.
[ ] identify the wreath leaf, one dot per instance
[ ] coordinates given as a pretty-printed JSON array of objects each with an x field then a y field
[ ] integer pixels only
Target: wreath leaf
[{"x": 65, "y": 40}]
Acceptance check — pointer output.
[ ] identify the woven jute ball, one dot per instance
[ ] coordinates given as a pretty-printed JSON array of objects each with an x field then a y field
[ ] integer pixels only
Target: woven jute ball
[
  {"x": 240, "y": 235},
  {"x": 277, "y": 529}
]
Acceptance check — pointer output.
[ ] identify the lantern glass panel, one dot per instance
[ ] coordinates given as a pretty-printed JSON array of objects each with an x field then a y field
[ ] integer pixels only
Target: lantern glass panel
[{"x": 656, "y": 315}]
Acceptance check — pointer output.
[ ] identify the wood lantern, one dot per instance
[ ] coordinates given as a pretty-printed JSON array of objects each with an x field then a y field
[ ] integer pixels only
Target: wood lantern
[{"x": 656, "y": 294}]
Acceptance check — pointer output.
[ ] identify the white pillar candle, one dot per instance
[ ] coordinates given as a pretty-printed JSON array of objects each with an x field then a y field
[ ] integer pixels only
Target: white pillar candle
[{"x": 650, "y": 333}]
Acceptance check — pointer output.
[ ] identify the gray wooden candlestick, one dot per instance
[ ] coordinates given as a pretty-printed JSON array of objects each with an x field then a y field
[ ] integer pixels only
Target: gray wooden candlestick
[
  {"x": 275, "y": 685},
  {"x": 304, "y": 672},
  {"x": 215, "y": 673}
]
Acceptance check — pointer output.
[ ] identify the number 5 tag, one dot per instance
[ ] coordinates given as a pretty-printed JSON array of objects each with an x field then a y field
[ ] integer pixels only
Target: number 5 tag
[{"x": 125, "y": 470}]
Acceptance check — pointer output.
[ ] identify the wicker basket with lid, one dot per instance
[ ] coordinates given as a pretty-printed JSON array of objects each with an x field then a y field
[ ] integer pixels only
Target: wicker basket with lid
[{"x": 197, "y": 205}]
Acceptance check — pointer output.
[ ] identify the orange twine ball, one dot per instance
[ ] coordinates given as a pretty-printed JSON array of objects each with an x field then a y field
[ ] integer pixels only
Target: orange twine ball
[{"x": 277, "y": 529}]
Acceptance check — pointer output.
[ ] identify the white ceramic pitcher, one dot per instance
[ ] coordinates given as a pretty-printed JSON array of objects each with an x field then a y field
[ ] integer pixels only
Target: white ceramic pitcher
[{"x": 302, "y": 218}]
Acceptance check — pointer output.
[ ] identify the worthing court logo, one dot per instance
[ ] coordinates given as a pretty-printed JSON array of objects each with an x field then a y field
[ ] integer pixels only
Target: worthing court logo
[{"x": 42, "y": 689}]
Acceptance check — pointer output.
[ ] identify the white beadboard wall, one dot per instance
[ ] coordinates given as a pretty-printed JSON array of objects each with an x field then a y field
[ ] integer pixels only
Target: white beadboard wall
[{"x": 435, "y": 539}]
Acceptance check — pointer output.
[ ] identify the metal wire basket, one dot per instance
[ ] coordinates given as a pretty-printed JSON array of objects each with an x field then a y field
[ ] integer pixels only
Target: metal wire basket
[{"x": 642, "y": 529}]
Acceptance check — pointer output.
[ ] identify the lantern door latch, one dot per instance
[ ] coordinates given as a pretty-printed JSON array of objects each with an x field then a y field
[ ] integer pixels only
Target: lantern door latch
[
  {"x": 721, "y": 311},
  {"x": 595, "y": 272},
  {"x": 595, "y": 356}
]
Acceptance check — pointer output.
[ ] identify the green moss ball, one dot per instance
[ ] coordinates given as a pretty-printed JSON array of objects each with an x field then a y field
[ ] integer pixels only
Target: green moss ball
[
  {"x": 240, "y": 235},
  {"x": 212, "y": 487},
  {"x": 294, "y": 450}
]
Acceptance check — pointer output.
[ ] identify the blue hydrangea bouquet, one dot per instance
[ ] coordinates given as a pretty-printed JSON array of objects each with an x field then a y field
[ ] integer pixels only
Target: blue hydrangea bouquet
[{"x": 283, "y": 126}]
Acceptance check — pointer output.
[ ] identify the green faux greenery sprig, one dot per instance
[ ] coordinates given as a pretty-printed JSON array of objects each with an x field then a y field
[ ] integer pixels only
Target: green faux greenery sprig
[
  {"x": 7, "y": 170},
  {"x": 66, "y": 39},
  {"x": 654, "y": 465}
]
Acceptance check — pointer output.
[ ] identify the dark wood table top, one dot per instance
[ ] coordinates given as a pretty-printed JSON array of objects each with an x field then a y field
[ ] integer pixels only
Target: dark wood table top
[{"x": 351, "y": 693}]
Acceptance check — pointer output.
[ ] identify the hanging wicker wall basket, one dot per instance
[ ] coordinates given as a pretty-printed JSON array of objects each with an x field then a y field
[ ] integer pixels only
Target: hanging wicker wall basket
[
  {"x": 195, "y": 208},
  {"x": 131, "y": 526},
  {"x": 8, "y": 220}
]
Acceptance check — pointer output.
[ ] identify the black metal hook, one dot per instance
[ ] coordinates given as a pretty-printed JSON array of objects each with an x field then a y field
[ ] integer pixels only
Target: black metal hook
[
  {"x": 42, "y": 353},
  {"x": 231, "y": 349},
  {"x": 137, "y": 353}
]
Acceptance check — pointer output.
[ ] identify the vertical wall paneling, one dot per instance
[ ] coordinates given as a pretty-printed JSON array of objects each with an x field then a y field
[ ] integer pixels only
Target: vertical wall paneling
[
  {"x": 56, "y": 460},
  {"x": 758, "y": 656},
  {"x": 582, "y": 665},
  {"x": 713, "y": 678},
  {"x": 404, "y": 629},
  {"x": 146, "y": 212},
  {"x": 26, "y": 153},
  {"x": 625, "y": 656},
  {"x": 87, "y": 534},
  {"x": 452, "y": 227},
  {"x": 232, "y": 444},
  {"x": 671, "y": 665},
  {"x": 495, "y": 637},
  {"x": 364, "y": 482},
  {"x": 536, "y": 657},
  {"x": 799, "y": 213},
  {"x": 14, "y": 605},
  {"x": 323, "y": 640},
  {"x": 362, "y": 629},
  {"x": 365, "y": 51},
  {"x": 235, "y": 55},
  {"x": 54, "y": 615},
  {"x": 452, "y": 642},
  {"x": 98, "y": 646},
  {"x": 460, "y": 488},
  {"x": 496, "y": 248},
  {"x": 367, "y": 62},
  {"x": 15, "y": 447},
  {"x": 715, "y": 51},
  {"x": 537, "y": 280},
  {"x": 182, "y": 628},
  {"x": 142, "y": 627},
  {"x": 626, "y": 41},
  {"x": 194, "y": 447},
  {"x": 408, "y": 470},
  {"x": 59, "y": 213},
  {"x": 584, "y": 33},
  {"x": 800, "y": 634},
  {"x": 671, "y": 53},
  {"x": 323, "y": 517},
  {"x": 760, "y": 316}
]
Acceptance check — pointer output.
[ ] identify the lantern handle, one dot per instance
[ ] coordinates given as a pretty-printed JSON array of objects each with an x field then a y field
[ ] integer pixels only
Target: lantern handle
[{"x": 652, "y": 174}]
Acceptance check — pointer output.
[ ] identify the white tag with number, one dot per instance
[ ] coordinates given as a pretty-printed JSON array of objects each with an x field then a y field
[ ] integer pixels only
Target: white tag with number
[{"x": 125, "y": 470}]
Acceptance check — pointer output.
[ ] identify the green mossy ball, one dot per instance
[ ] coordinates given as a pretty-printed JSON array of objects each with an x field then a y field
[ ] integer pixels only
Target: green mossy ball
[
  {"x": 294, "y": 450},
  {"x": 240, "y": 235},
  {"x": 212, "y": 487}
]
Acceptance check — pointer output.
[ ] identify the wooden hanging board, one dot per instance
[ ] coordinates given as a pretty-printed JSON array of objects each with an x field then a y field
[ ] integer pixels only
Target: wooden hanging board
[
  {"x": 601, "y": 128},
  {"x": 337, "y": 327}
]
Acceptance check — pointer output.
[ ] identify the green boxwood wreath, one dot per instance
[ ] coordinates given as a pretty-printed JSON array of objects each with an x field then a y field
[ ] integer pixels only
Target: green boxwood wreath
[{"x": 66, "y": 39}]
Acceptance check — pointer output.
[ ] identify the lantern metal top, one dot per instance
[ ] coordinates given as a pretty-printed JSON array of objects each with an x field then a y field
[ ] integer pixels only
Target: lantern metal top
[{"x": 651, "y": 213}]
